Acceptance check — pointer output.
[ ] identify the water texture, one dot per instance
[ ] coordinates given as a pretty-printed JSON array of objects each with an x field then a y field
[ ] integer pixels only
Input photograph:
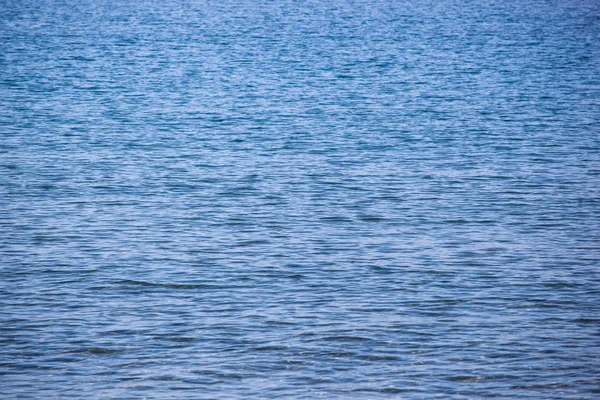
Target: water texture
[{"x": 299, "y": 199}]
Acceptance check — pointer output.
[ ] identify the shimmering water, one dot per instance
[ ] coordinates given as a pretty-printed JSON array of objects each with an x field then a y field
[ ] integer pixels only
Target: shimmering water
[{"x": 300, "y": 199}]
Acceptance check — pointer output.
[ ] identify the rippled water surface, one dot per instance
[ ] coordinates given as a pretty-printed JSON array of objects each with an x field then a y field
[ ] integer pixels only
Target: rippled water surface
[{"x": 300, "y": 199}]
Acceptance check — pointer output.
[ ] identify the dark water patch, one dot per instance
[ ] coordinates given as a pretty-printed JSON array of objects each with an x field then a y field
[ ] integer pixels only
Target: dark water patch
[
  {"x": 98, "y": 351},
  {"x": 174, "y": 286}
]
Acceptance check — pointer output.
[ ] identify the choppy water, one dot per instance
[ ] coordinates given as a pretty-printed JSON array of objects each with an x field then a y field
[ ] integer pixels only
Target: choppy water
[{"x": 300, "y": 199}]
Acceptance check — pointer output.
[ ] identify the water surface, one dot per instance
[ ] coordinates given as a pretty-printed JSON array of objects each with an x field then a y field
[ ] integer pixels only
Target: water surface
[{"x": 299, "y": 199}]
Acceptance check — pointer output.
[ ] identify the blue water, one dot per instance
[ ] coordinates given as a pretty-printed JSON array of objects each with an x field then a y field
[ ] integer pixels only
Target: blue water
[{"x": 299, "y": 199}]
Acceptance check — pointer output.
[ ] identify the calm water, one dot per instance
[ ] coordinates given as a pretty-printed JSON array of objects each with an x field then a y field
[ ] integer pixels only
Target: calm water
[{"x": 300, "y": 199}]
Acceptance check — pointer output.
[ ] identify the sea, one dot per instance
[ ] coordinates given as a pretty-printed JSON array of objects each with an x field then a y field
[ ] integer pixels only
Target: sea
[{"x": 299, "y": 199}]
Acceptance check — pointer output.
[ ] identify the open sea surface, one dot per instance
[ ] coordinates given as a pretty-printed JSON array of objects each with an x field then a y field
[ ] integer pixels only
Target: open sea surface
[{"x": 299, "y": 199}]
